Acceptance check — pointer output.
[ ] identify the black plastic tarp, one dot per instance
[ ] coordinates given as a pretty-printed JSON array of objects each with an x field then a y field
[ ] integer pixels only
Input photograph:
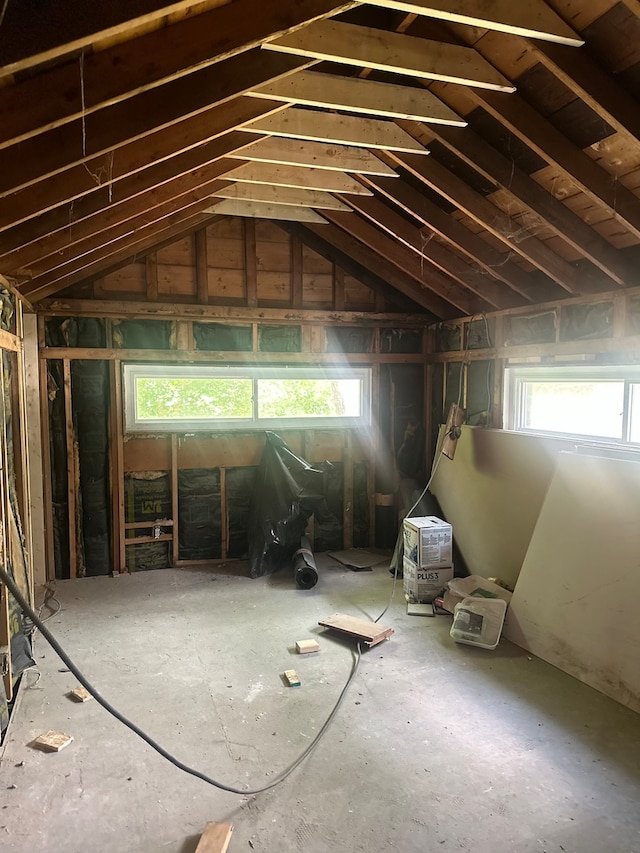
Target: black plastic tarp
[{"x": 287, "y": 491}]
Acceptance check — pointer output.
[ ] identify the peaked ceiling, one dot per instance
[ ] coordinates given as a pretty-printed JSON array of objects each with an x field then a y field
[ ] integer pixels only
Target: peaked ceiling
[{"x": 476, "y": 156}]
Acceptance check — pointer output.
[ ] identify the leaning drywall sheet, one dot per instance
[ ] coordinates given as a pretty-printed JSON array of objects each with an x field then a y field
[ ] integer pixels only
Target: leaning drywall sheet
[{"x": 576, "y": 601}]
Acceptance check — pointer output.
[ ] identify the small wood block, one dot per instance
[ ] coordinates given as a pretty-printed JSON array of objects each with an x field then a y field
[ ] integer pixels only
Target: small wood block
[
  {"x": 416, "y": 609},
  {"x": 80, "y": 694},
  {"x": 371, "y": 633},
  {"x": 305, "y": 647},
  {"x": 52, "y": 741},
  {"x": 215, "y": 838},
  {"x": 291, "y": 677}
]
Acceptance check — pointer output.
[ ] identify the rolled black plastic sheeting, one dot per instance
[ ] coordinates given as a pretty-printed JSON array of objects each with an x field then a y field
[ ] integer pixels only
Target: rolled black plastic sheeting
[{"x": 304, "y": 565}]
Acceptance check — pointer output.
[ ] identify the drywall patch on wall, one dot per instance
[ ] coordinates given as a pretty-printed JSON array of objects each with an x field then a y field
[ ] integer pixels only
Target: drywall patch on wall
[{"x": 576, "y": 601}]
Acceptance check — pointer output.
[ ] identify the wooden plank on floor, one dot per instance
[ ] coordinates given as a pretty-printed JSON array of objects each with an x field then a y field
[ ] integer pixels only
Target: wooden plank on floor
[
  {"x": 215, "y": 838},
  {"x": 370, "y": 633}
]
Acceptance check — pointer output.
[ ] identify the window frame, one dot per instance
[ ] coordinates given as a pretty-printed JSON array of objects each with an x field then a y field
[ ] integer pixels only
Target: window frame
[
  {"x": 516, "y": 377},
  {"x": 133, "y": 371}
]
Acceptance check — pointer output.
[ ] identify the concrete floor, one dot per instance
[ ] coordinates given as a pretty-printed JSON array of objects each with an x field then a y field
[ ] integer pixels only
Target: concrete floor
[{"x": 438, "y": 747}]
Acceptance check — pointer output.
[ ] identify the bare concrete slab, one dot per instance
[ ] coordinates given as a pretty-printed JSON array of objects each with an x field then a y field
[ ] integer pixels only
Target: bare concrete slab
[{"x": 438, "y": 747}]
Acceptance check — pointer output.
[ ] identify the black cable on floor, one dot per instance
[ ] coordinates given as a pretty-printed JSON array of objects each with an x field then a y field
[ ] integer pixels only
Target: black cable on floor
[{"x": 8, "y": 581}]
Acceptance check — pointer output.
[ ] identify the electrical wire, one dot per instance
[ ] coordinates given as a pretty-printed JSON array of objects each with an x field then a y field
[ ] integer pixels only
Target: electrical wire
[{"x": 64, "y": 657}]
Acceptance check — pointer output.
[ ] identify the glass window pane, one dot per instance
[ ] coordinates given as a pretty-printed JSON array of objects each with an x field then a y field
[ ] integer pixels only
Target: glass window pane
[
  {"x": 197, "y": 398},
  {"x": 579, "y": 408},
  {"x": 312, "y": 398}
]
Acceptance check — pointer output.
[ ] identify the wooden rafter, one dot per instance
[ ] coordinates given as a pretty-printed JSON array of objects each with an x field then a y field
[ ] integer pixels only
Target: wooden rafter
[
  {"x": 316, "y": 126},
  {"x": 263, "y": 210},
  {"x": 109, "y": 129},
  {"x": 356, "y": 95},
  {"x": 60, "y": 94},
  {"x": 319, "y": 155},
  {"x": 298, "y": 177},
  {"x": 398, "y": 227},
  {"x": 425, "y": 275},
  {"x": 282, "y": 195},
  {"x": 533, "y": 18},
  {"x": 351, "y": 44}
]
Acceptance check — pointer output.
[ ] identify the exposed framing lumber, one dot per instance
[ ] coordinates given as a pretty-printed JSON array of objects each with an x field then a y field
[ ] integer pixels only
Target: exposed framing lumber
[
  {"x": 202, "y": 266},
  {"x": 193, "y": 142},
  {"x": 441, "y": 287},
  {"x": 250, "y": 263},
  {"x": 296, "y": 264},
  {"x": 357, "y": 95},
  {"x": 175, "y": 532},
  {"x": 490, "y": 217},
  {"x": 337, "y": 158},
  {"x": 541, "y": 136},
  {"x": 113, "y": 127},
  {"x": 116, "y": 253},
  {"x": 317, "y": 126},
  {"x": 296, "y": 177},
  {"x": 349, "y": 256},
  {"x": 458, "y": 235},
  {"x": 568, "y": 225},
  {"x": 115, "y": 309},
  {"x": 35, "y": 104},
  {"x": 71, "y": 469},
  {"x": 397, "y": 53},
  {"x": 116, "y": 456},
  {"x": 281, "y": 195},
  {"x": 45, "y": 255},
  {"x": 533, "y": 19},
  {"x": 495, "y": 293},
  {"x": 263, "y": 210},
  {"x": 582, "y": 76},
  {"x": 151, "y": 277}
]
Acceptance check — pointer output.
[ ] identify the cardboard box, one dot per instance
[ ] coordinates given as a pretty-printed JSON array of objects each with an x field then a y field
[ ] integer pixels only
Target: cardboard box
[
  {"x": 422, "y": 584},
  {"x": 428, "y": 541}
]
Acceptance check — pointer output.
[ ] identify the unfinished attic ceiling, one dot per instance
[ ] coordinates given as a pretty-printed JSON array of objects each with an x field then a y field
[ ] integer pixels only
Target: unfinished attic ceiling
[{"x": 474, "y": 156}]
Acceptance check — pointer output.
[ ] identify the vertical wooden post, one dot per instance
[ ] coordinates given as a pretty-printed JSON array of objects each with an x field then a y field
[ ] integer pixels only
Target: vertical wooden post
[
  {"x": 338, "y": 288},
  {"x": 202, "y": 267},
  {"x": 373, "y": 450},
  {"x": 151, "y": 276},
  {"x": 71, "y": 470},
  {"x": 296, "y": 273},
  {"x": 47, "y": 495},
  {"x": 497, "y": 403},
  {"x": 31, "y": 453},
  {"x": 250, "y": 263},
  {"x": 116, "y": 453},
  {"x": 224, "y": 521},
  {"x": 175, "y": 544},
  {"x": 347, "y": 473}
]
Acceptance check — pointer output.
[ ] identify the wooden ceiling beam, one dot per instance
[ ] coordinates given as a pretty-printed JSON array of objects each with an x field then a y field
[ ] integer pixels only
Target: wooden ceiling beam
[
  {"x": 107, "y": 170},
  {"x": 297, "y": 177},
  {"x": 93, "y": 81},
  {"x": 109, "y": 129},
  {"x": 380, "y": 266},
  {"x": 116, "y": 253},
  {"x": 532, "y": 18},
  {"x": 491, "y": 218},
  {"x": 319, "y": 155},
  {"x": 144, "y": 189},
  {"x": 490, "y": 163},
  {"x": 281, "y": 195},
  {"x": 397, "y": 53},
  {"x": 599, "y": 91},
  {"x": 356, "y": 95},
  {"x": 548, "y": 142},
  {"x": 317, "y": 126},
  {"x": 441, "y": 286},
  {"x": 47, "y": 264},
  {"x": 32, "y": 32},
  {"x": 470, "y": 277},
  {"x": 498, "y": 265},
  {"x": 263, "y": 210}
]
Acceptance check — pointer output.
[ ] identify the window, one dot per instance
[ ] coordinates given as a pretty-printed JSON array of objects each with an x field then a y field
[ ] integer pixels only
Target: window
[
  {"x": 599, "y": 403},
  {"x": 166, "y": 398}
]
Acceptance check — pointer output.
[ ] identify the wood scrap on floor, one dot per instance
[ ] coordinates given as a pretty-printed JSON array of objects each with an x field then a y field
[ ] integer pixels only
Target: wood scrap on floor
[
  {"x": 79, "y": 694},
  {"x": 305, "y": 647},
  {"x": 291, "y": 677},
  {"x": 370, "y": 633},
  {"x": 215, "y": 838},
  {"x": 414, "y": 608},
  {"x": 52, "y": 741}
]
